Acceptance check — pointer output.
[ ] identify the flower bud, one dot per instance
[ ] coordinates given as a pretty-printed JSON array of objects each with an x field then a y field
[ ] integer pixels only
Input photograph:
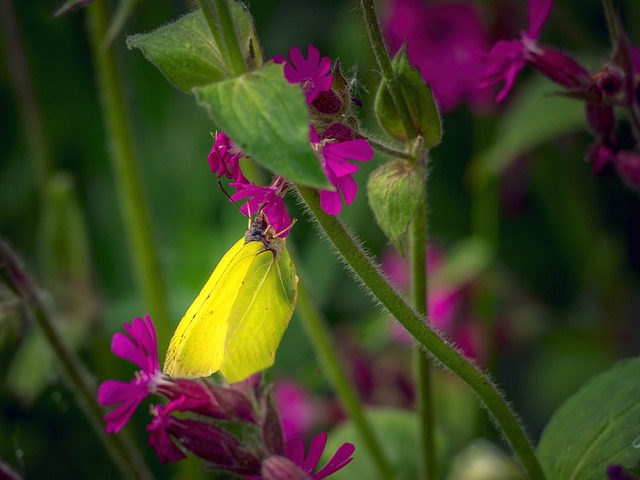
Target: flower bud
[{"x": 395, "y": 190}]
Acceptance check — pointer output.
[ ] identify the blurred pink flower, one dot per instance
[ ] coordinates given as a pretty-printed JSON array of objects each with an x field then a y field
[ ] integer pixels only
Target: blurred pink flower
[
  {"x": 447, "y": 42},
  {"x": 294, "y": 450},
  {"x": 445, "y": 303},
  {"x": 224, "y": 158},
  {"x": 298, "y": 410}
]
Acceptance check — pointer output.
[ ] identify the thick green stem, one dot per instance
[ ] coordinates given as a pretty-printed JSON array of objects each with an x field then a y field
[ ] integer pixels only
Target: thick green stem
[
  {"x": 320, "y": 337},
  {"x": 221, "y": 25},
  {"x": 119, "y": 447},
  {"x": 384, "y": 63},
  {"x": 424, "y": 371},
  {"x": 372, "y": 278},
  {"x": 137, "y": 220}
]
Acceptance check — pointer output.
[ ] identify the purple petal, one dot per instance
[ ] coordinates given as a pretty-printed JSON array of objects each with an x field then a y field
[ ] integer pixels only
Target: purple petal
[
  {"x": 339, "y": 460},
  {"x": 122, "y": 346},
  {"x": 330, "y": 202},
  {"x": 538, "y": 13},
  {"x": 294, "y": 450},
  {"x": 348, "y": 187},
  {"x": 316, "y": 448}
]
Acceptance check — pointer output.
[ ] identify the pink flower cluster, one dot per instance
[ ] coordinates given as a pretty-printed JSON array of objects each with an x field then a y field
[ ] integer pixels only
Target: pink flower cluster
[
  {"x": 205, "y": 411},
  {"x": 335, "y": 144}
]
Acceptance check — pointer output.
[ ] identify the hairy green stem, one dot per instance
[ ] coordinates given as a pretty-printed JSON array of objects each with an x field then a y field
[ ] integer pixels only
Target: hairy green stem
[
  {"x": 222, "y": 28},
  {"x": 391, "y": 151},
  {"x": 369, "y": 273},
  {"x": 384, "y": 63},
  {"x": 124, "y": 454},
  {"x": 326, "y": 351},
  {"x": 424, "y": 371},
  {"x": 137, "y": 219}
]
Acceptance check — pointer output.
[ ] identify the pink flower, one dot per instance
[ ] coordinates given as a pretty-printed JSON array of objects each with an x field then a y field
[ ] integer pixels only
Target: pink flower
[
  {"x": 447, "y": 43},
  {"x": 312, "y": 73},
  {"x": 294, "y": 451},
  {"x": 224, "y": 158},
  {"x": 508, "y": 57},
  {"x": 140, "y": 348},
  {"x": 266, "y": 199},
  {"x": 298, "y": 411},
  {"x": 333, "y": 156}
]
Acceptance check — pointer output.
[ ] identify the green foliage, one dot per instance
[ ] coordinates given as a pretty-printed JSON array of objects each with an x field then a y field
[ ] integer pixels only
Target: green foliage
[
  {"x": 395, "y": 190},
  {"x": 188, "y": 55},
  {"x": 267, "y": 118},
  {"x": 395, "y": 429},
  {"x": 535, "y": 117},
  {"x": 419, "y": 100},
  {"x": 596, "y": 427}
]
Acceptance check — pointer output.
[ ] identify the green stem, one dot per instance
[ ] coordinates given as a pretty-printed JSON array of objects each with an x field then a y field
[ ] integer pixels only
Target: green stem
[
  {"x": 137, "y": 220},
  {"x": 424, "y": 371},
  {"x": 222, "y": 28},
  {"x": 124, "y": 454},
  {"x": 614, "y": 35},
  {"x": 384, "y": 63},
  {"x": 21, "y": 82},
  {"x": 389, "y": 150},
  {"x": 320, "y": 337},
  {"x": 372, "y": 278}
]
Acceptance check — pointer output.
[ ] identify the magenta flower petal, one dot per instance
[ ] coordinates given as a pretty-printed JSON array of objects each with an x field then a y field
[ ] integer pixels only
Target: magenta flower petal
[
  {"x": 504, "y": 62},
  {"x": 139, "y": 346},
  {"x": 330, "y": 202},
  {"x": 538, "y": 14},
  {"x": 340, "y": 459},
  {"x": 294, "y": 451},
  {"x": 318, "y": 442},
  {"x": 268, "y": 199},
  {"x": 127, "y": 395},
  {"x": 311, "y": 73},
  {"x": 159, "y": 438},
  {"x": 224, "y": 158},
  {"x": 348, "y": 188}
]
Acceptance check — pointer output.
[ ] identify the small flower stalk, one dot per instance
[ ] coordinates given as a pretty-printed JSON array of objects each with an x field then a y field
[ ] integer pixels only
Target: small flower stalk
[{"x": 198, "y": 417}]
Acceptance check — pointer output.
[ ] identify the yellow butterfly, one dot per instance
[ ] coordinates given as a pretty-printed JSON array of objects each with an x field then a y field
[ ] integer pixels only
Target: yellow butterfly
[{"x": 239, "y": 317}]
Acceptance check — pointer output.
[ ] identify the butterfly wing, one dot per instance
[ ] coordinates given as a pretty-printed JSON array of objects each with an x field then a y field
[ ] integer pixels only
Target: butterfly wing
[
  {"x": 260, "y": 315},
  {"x": 198, "y": 344}
]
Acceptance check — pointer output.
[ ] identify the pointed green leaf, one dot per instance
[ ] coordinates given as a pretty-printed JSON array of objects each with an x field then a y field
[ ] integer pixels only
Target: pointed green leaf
[
  {"x": 187, "y": 54},
  {"x": 418, "y": 98},
  {"x": 395, "y": 190},
  {"x": 268, "y": 118},
  {"x": 596, "y": 427}
]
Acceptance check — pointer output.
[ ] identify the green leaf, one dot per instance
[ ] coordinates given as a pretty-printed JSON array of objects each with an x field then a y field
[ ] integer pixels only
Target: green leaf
[
  {"x": 418, "y": 98},
  {"x": 268, "y": 119},
  {"x": 188, "y": 55},
  {"x": 535, "y": 117},
  {"x": 596, "y": 427},
  {"x": 395, "y": 190},
  {"x": 396, "y": 430}
]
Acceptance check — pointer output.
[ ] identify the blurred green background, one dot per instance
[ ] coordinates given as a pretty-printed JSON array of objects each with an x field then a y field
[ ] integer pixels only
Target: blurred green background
[{"x": 562, "y": 289}]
